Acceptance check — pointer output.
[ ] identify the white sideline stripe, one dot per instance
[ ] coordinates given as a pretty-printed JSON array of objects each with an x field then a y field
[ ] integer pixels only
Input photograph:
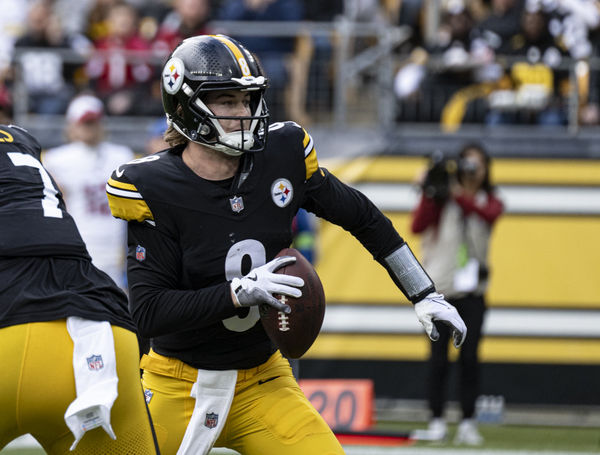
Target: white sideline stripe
[
  {"x": 28, "y": 442},
  {"x": 401, "y": 319},
  {"x": 403, "y": 197},
  {"x": 365, "y": 450},
  {"x": 568, "y": 200}
]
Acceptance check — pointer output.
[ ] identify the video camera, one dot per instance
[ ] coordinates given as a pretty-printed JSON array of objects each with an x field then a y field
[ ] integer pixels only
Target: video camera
[{"x": 442, "y": 172}]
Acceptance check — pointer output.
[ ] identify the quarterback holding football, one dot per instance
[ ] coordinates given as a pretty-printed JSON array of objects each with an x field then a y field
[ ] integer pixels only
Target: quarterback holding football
[{"x": 207, "y": 218}]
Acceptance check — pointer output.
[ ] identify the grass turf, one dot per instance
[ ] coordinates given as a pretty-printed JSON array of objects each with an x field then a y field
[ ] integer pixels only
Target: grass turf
[
  {"x": 512, "y": 437},
  {"x": 497, "y": 437}
]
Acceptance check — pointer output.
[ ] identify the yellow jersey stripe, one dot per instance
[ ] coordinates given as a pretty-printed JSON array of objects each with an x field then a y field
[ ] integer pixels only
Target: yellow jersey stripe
[
  {"x": 129, "y": 209},
  {"x": 311, "y": 164},
  {"x": 307, "y": 139},
  {"x": 124, "y": 186},
  {"x": 239, "y": 56},
  {"x": 126, "y": 202},
  {"x": 310, "y": 155}
]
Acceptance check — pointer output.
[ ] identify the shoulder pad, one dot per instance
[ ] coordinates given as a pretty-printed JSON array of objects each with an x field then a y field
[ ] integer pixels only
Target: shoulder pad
[
  {"x": 124, "y": 198},
  {"x": 294, "y": 130},
  {"x": 20, "y": 138}
]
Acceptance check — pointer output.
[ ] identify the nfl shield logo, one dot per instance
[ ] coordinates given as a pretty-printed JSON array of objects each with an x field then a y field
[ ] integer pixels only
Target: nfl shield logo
[
  {"x": 211, "y": 420},
  {"x": 148, "y": 395},
  {"x": 237, "y": 204},
  {"x": 95, "y": 362},
  {"x": 140, "y": 253}
]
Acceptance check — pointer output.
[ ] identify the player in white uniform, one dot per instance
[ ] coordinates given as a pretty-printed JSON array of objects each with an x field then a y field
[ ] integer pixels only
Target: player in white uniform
[{"x": 81, "y": 168}]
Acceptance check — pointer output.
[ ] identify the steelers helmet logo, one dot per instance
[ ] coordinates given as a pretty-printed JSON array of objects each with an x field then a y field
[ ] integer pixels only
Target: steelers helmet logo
[
  {"x": 282, "y": 192},
  {"x": 172, "y": 75}
]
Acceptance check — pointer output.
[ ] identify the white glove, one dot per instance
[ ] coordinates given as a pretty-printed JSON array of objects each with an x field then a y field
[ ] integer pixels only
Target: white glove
[
  {"x": 435, "y": 308},
  {"x": 261, "y": 283}
]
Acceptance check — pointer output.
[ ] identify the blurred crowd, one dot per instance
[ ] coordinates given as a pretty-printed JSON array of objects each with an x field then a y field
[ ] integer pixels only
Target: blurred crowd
[
  {"x": 115, "y": 48},
  {"x": 504, "y": 62},
  {"x": 484, "y": 61}
]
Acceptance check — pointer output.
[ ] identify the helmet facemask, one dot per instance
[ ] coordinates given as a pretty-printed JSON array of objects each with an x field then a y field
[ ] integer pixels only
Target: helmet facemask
[{"x": 250, "y": 137}]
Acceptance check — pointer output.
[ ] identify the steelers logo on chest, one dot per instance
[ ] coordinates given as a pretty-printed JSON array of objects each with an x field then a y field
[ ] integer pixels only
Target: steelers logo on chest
[{"x": 282, "y": 192}]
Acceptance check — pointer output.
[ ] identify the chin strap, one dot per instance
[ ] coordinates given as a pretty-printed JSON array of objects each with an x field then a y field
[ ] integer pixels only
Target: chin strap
[{"x": 230, "y": 143}]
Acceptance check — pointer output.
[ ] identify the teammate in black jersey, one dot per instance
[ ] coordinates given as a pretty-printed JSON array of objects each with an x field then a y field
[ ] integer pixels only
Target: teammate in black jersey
[
  {"x": 51, "y": 299},
  {"x": 206, "y": 219}
]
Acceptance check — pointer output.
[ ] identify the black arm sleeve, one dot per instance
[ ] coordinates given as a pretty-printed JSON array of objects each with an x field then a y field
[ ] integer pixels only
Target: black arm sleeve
[
  {"x": 156, "y": 304},
  {"x": 330, "y": 199}
]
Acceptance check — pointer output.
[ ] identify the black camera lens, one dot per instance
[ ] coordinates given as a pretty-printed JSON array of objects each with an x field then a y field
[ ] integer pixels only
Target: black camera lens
[{"x": 466, "y": 166}]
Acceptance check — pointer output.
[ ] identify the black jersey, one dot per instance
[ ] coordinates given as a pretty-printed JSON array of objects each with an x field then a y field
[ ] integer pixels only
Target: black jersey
[
  {"x": 188, "y": 237},
  {"x": 33, "y": 218},
  {"x": 45, "y": 271}
]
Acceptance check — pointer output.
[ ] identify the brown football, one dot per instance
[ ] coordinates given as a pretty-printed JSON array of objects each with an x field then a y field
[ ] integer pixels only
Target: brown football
[{"x": 294, "y": 333}]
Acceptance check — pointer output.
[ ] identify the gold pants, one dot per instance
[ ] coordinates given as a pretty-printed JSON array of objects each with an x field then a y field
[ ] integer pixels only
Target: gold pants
[
  {"x": 269, "y": 415},
  {"x": 37, "y": 385}
]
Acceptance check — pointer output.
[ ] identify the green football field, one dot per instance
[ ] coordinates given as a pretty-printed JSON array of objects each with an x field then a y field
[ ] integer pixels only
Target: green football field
[{"x": 499, "y": 440}]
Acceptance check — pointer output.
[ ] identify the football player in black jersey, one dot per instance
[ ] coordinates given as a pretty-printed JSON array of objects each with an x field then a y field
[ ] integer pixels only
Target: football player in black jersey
[
  {"x": 206, "y": 220},
  {"x": 53, "y": 377}
]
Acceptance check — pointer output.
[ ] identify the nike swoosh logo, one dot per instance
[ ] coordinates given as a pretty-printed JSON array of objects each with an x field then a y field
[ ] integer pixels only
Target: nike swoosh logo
[
  {"x": 119, "y": 172},
  {"x": 253, "y": 277},
  {"x": 264, "y": 381}
]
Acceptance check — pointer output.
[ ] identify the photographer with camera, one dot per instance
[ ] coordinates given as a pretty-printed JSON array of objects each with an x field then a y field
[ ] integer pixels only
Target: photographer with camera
[{"x": 455, "y": 215}]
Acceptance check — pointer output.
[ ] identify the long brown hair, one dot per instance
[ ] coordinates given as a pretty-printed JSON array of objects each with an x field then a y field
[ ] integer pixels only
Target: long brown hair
[{"x": 172, "y": 136}]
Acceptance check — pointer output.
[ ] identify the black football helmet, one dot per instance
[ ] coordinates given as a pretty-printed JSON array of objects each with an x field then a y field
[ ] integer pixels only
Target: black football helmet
[{"x": 214, "y": 62}]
